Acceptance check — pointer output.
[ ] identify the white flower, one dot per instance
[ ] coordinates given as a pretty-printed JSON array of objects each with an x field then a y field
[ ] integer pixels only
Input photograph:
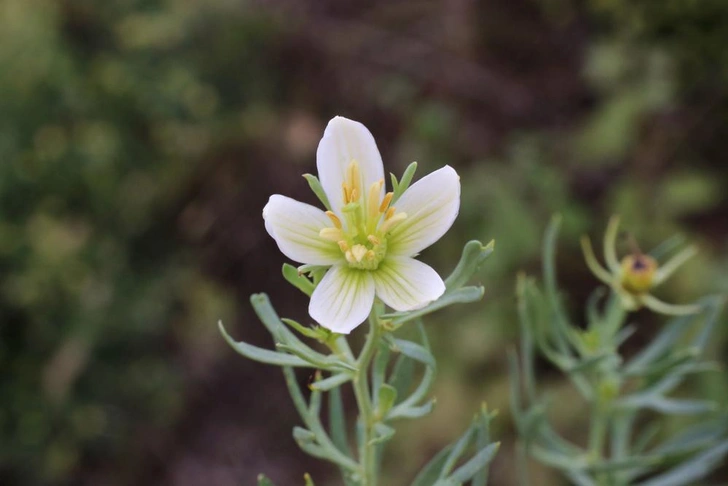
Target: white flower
[{"x": 368, "y": 243}]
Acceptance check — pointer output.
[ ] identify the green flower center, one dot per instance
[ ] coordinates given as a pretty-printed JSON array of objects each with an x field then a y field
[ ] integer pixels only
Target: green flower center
[{"x": 362, "y": 235}]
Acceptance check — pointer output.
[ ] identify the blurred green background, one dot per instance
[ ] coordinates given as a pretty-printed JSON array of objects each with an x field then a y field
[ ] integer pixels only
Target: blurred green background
[{"x": 140, "y": 139}]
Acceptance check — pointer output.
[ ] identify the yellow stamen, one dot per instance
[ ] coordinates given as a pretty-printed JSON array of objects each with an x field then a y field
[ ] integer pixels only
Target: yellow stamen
[
  {"x": 331, "y": 234},
  {"x": 370, "y": 255},
  {"x": 374, "y": 240},
  {"x": 389, "y": 213},
  {"x": 334, "y": 219},
  {"x": 385, "y": 202},
  {"x": 345, "y": 191},
  {"x": 374, "y": 191},
  {"x": 342, "y": 244},
  {"x": 353, "y": 180}
]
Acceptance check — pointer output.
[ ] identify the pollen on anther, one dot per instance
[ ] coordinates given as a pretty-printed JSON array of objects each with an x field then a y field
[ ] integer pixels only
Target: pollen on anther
[
  {"x": 343, "y": 245},
  {"x": 334, "y": 219},
  {"x": 385, "y": 202},
  {"x": 370, "y": 255},
  {"x": 390, "y": 213},
  {"x": 345, "y": 191},
  {"x": 374, "y": 240}
]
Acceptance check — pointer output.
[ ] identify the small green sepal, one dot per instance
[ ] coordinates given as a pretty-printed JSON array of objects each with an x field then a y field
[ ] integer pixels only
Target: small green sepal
[{"x": 317, "y": 189}]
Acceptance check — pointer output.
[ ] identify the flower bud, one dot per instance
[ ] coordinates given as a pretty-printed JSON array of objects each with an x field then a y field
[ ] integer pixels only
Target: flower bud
[{"x": 638, "y": 273}]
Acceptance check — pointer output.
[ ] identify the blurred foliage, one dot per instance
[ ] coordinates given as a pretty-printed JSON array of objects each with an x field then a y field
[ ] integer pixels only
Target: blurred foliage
[{"x": 114, "y": 115}]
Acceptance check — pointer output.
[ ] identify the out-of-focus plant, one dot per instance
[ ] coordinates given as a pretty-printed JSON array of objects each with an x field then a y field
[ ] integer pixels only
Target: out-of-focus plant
[
  {"x": 628, "y": 398},
  {"x": 101, "y": 132},
  {"x": 358, "y": 260}
]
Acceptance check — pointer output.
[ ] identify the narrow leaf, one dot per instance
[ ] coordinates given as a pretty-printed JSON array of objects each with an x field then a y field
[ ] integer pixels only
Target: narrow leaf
[
  {"x": 301, "y": 282},
  {"x": 331, "y": 382},
  {"x": 429, "y": 474},
  {"x": 458, "y": 449},
  {"x": 474, "y": 254},
  {"x": 462, "y": 295},
  {"x": 402, "y": 374},
  {"x": 475, "y": 464},
  {"x": 262, "y": 355},
  {"x": 386, "y": 398},
  {"x": 337, "y": 421},
  {"x": 415, "y": 351},
  {"x": 692, "y": 470}
]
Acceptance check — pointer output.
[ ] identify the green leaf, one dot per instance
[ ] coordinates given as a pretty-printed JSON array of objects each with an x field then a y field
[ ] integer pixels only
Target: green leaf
[
  {"x": 298, "y": 280},
  {"x": 383, "y": 433},
  {"x": 667, "y": 246},
  {"x": 288, "y": 341},
  {"x": 561, "y": 330},
  {"x": 474, "y": 254},
  {"x": 669, "y": 406},
  {"x": 386, "y": 398},
  {"x": 526, "y": 324},
  {"x": 317, "y": 189},
  {"x": 696, "y": 437},
  {"x": 660, "y": 345},
  {"x": 337, "y": 421},
  {"x": 318, "y": 360},
  {"x": 415, "y": 352},
  {"x": 398, "y": 188},
  {"x": 412, "y": 411},
  {"x": 462, "y": 295},
  {"x": 262, "y": 355},
  {"x": 303, "y": 435},
  {"x": 331, "y": 382},
  {"x": 712, "y": 308},
  {"x": 429, "y": 474},
  {"x": 319, "y": 334},
  {"x": 314, "y": 407},
  {"x": 646, "y": 436},
  {"x": 409, "y": 406},
  {"x": 379, "y": 369},
  {"x": 482, "y": 440},
  {"x": 691, "y": 470},
  {"x": 458, "y": 449},
  {"x": 477, "y": 463},
  {"x": 402, "y": 374}
]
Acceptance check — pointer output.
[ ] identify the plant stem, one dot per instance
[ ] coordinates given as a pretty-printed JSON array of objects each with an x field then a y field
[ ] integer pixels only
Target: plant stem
[
  {"x": 606, "y": 385},
  {"x": 367, "y": 452}
]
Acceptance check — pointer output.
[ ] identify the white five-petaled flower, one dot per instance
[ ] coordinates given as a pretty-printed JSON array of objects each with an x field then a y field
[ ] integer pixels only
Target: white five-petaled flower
[{"x": 368, "y": 242}]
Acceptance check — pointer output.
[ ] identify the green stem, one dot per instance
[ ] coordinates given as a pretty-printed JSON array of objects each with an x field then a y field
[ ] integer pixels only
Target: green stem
[
  {"x": 367, "y": 452},
  {"x": 604, "y": 383}
]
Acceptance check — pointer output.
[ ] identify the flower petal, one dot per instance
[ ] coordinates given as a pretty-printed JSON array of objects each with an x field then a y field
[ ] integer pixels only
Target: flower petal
[
  {"x": 404, "y": 283},
  {"x": 343, "y": 298},
  {"x": 295, "y": 226},
  {"x": 345, "y": 140},
  {"x": 431, "y": 205}
]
